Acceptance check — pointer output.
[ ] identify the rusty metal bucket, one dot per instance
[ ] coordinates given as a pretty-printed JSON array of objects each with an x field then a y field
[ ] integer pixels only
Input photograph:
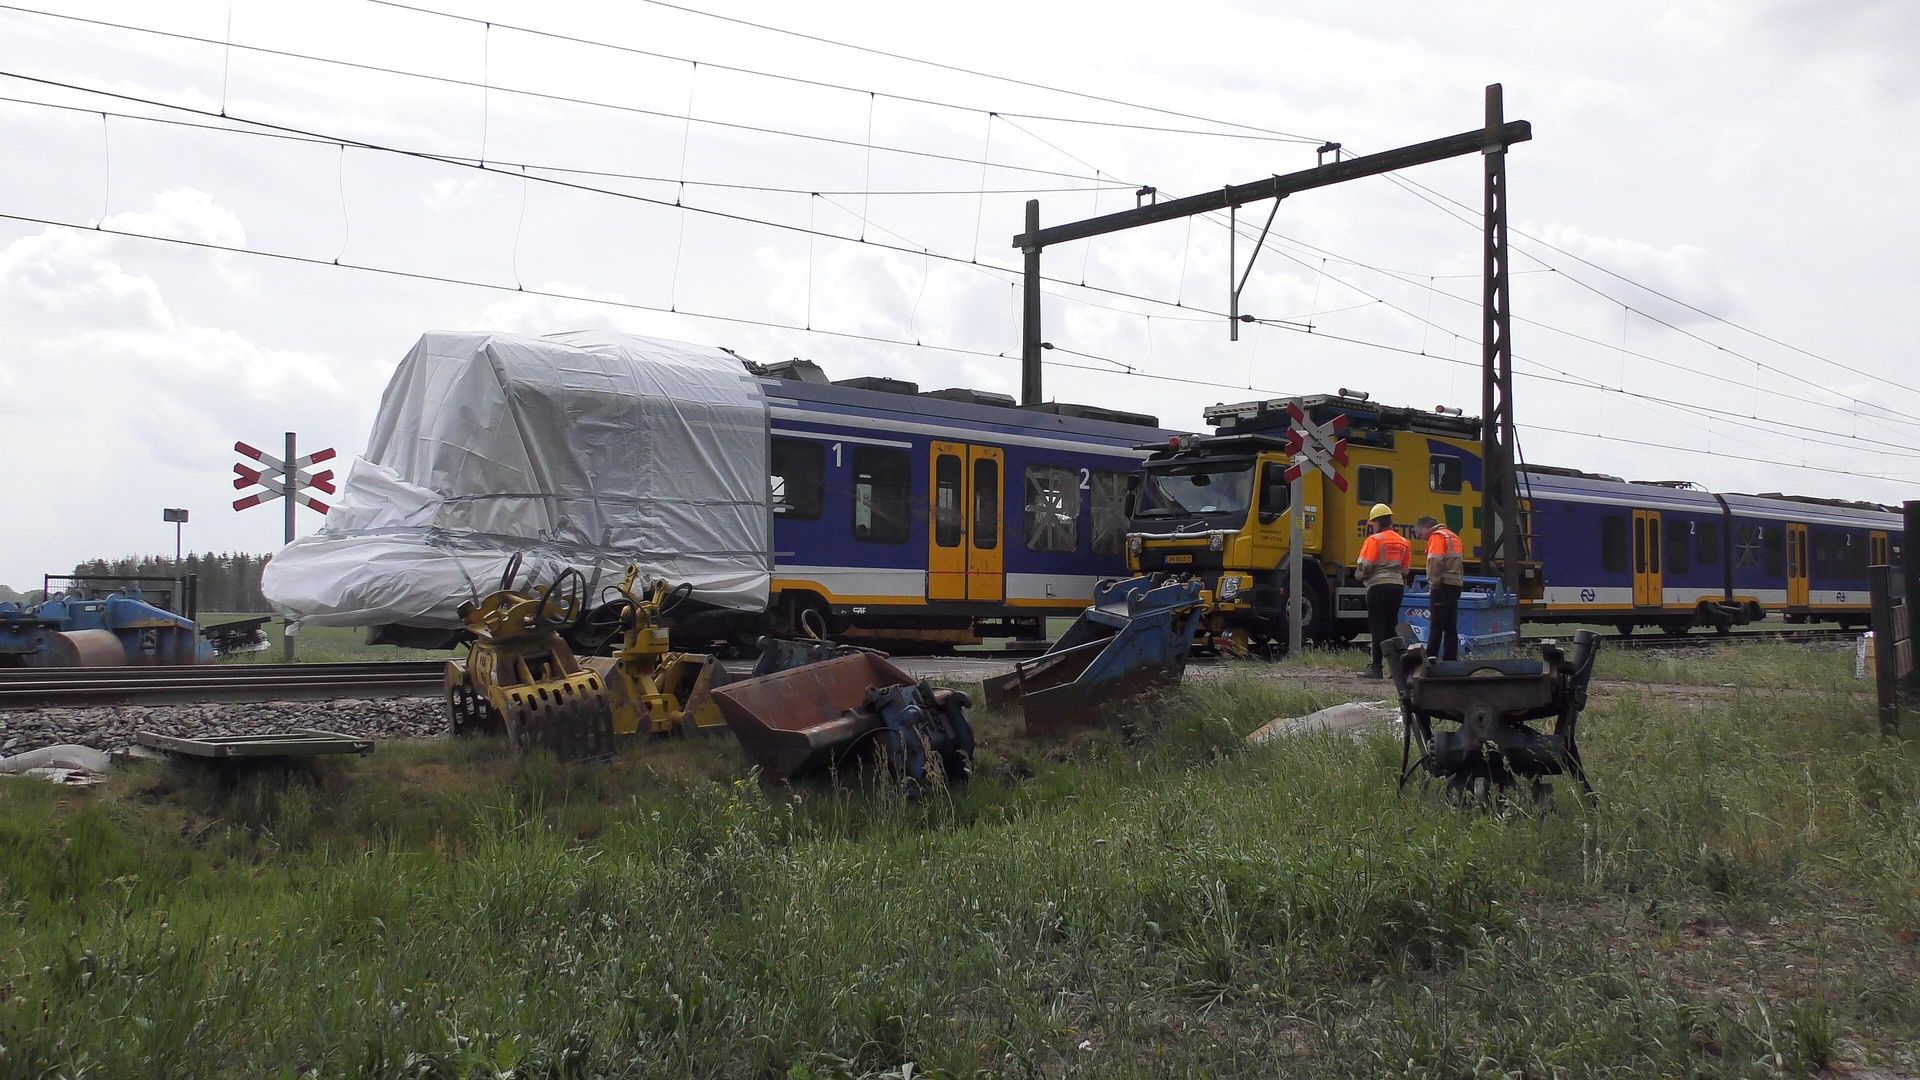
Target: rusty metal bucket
[
  {"x": 1134, "y": 640},
  {"x": 821, "y": 716}
]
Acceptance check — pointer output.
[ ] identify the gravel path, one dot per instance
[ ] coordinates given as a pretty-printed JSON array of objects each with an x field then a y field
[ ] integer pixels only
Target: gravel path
[{"x": 113, "y": 728}]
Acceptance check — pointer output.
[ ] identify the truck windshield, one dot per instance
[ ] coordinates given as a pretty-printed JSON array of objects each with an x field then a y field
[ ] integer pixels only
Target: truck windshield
[{"x": 1221, "y": 487}]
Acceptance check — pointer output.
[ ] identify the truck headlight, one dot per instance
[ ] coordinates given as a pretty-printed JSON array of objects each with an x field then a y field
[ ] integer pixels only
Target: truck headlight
[
  {"x": 1216, "y": 541},
  {"x": 1135, "y": 544},
  {"x": 1229, "y": 586}
]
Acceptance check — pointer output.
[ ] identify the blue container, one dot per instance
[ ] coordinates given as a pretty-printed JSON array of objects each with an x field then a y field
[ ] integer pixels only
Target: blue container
[{"x": 1489, "y": 616}]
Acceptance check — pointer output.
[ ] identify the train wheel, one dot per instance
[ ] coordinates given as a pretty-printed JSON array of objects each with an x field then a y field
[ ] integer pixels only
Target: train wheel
[{"x": 1626, "y": 628}]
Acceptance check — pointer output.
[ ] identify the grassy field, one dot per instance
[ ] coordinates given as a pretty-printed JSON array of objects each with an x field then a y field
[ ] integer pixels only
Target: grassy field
[{"x": 1164, "y": 901}]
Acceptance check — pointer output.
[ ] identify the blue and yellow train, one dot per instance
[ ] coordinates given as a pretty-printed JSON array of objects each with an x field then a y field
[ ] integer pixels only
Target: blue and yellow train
[
  {"x": 952, "y": 514},
  {"x": 940, "y": 515}
]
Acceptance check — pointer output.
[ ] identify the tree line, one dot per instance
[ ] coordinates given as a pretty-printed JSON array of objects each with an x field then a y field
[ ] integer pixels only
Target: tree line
[{"x": 228, "y": 581}]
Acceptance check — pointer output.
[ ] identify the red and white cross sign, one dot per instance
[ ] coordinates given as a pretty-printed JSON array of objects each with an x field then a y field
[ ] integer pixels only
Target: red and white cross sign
[
  {"x": 1320, "y": 446},
  {"x": 273, "y": 475}
]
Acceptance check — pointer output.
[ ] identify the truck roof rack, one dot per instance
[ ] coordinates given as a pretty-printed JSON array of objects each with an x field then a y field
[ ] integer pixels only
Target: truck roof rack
[{"x": 1361, "y": 413}]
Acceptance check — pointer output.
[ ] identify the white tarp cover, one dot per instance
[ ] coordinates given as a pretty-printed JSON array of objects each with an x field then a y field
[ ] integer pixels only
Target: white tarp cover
[{"x": 589, "y": 449}]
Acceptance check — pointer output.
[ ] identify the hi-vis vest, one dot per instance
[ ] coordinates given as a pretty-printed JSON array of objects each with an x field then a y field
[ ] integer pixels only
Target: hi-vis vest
[
  {"x": 1446, "y": 562},
  {"x": 1391, "y": 554}
]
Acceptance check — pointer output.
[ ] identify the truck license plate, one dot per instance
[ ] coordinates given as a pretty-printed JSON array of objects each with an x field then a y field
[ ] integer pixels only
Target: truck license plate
[{"x": 1179, "y": 559}]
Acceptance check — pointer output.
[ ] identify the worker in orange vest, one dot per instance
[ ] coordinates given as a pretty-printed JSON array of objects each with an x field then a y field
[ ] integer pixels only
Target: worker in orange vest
[
  {"x": 1446, "y": 569},
  {"x": 1385, "y": 560}
]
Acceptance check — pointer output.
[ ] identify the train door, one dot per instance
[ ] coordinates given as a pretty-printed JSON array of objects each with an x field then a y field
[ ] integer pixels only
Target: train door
[
  {"x": 1646, "y": 559},
  {"x": 965, "y": 542},
  {"x": 987, "y": 544},
  {"x": 1877, "y": 548},
  {"x": 1796, "y": 566}
]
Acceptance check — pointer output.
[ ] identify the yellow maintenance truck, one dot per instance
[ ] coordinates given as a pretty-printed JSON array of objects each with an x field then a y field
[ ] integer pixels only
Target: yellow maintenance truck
[{"x": 1217, "y": 506}]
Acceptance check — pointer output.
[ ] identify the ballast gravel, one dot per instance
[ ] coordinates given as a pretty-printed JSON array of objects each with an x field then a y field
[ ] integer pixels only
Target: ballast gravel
[{"x": 113, "y": 727}]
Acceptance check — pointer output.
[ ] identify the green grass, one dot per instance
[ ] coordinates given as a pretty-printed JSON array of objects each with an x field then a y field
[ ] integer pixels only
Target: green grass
[
  {"x": 1162, "y": 901},
  {"x": 323, "y": 645}
]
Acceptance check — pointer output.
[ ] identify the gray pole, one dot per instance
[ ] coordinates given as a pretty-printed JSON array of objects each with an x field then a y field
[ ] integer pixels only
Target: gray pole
[
  {"x": 1296, "y": 540},
  {"x": 286, "y": 638},
  {"x": 1030, "y": 310},
  {"x": 176, "y": 547}
]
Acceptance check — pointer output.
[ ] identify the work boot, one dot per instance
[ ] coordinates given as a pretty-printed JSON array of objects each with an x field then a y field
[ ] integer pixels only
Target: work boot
[{"x": 1371, "y": 673}]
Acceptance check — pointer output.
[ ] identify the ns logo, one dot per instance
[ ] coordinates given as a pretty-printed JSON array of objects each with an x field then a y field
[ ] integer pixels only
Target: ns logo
[{"x": 1587, "y": 596}]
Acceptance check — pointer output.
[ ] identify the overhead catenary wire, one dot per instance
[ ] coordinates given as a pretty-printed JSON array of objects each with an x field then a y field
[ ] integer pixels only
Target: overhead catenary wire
[
  {"x": 1012, "y": 80},
  {"x": 1682, "y": 303},
  {"x": 627, "y": 195},
  {"x": 1429, "y": 196},
  {"x": 1565, "y": 378},
  {"x": 447, "y": 279},
  {"x": 539, "y": 94},
  {"x": 486, "y": 86},
  {"x": 635, "y": 50},
  {"x": 812, "y": 232},
  {"x": 734, "y": 319},
  {"x": 1247, "y": 129},
  {"x": 570, "y": 170}
]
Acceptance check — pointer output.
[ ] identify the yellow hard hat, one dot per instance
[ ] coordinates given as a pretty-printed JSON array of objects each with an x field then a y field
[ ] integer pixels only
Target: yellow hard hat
[{"x": 1380, "y": 510}]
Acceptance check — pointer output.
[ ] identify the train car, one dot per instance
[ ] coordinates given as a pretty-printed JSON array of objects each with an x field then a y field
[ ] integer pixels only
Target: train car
[
  {"x": 1806, "y": 558},
  {"x": 1631, "y": 554},
  {"x": 1671, "y": 555},
  {"x": 940, "y": 516}
]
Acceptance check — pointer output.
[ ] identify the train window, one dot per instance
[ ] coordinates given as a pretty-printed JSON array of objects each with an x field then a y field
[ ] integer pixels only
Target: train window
[
  {"x": 1109, "y": 499},
  {"x": 1857, "y": 558},
  {"x": 1822, "y": 554},
  {"x": 986, "y": 504},
  {"x": 798, "y": 480},
  {"x": 1706, "y": 543},
  {"x": 881, "y": 494},
  {"x": 1613, "y": 543},
  {"x": 1749, "y": 544},
  {"x": 1443, "y": 473},
  {"x": 1375, "y": 485},
  {"x": 1679, "y": 546},
  {"x": 948, "y": 527},
  {"x": 1053, "y": 508},
  {"x": 1775, "y": 548}
]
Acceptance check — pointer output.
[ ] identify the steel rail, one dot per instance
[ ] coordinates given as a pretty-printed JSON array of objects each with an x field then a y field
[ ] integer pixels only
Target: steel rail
[{"x": 30, "y": 688}]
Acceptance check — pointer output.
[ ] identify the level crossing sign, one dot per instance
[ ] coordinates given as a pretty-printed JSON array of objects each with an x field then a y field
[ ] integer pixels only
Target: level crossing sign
[
  {"x": 281, "y": 479},
  {"x": 1320, "y": 446}
]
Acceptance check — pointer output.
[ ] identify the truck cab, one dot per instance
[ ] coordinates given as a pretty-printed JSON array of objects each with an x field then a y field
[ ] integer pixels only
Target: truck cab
[{"x": 1218, "y": 506}]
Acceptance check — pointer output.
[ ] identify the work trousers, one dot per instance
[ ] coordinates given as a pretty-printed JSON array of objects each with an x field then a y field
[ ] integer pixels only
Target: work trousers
[
  {"x": 1383, "y": 614},
  {"x": 1443, "y": 622}
]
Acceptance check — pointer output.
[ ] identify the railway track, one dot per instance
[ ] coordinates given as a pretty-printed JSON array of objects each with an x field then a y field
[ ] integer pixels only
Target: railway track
[
  {"x": 33, "y": 688},
  {"x": 1703, "y": 640},
  {"x": 29, "y": 688}
]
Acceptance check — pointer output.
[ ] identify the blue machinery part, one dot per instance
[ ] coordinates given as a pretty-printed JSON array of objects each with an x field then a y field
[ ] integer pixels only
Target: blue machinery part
[
  {"x": 112, "y": 631},
  {"x": 1132, "y": 641}
]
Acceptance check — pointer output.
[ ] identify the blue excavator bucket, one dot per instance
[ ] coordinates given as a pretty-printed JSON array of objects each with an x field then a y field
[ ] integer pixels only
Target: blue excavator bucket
[{"x": 1132, "y": 642}]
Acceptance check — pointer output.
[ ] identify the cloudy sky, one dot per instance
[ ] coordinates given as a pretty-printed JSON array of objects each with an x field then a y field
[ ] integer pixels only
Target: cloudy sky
[{"x": 1746, "y": 159}]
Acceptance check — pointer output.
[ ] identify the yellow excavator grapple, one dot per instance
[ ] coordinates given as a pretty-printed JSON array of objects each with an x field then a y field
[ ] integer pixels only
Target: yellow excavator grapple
[
  {"x": 652, "y": 690},
  {"x": 521, "y": 679}
]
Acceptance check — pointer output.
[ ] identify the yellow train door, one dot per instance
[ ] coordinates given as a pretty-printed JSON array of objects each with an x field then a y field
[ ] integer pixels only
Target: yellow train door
[
  {"x": 966, "y": 546},
  {"x": 1877, "y": 548},
  {"x": 1646, "y": 559},
  {"x": 987, "y": 543},
  {"x": 947, "y": 532},
  {"x": 1796, "y": 566}
]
